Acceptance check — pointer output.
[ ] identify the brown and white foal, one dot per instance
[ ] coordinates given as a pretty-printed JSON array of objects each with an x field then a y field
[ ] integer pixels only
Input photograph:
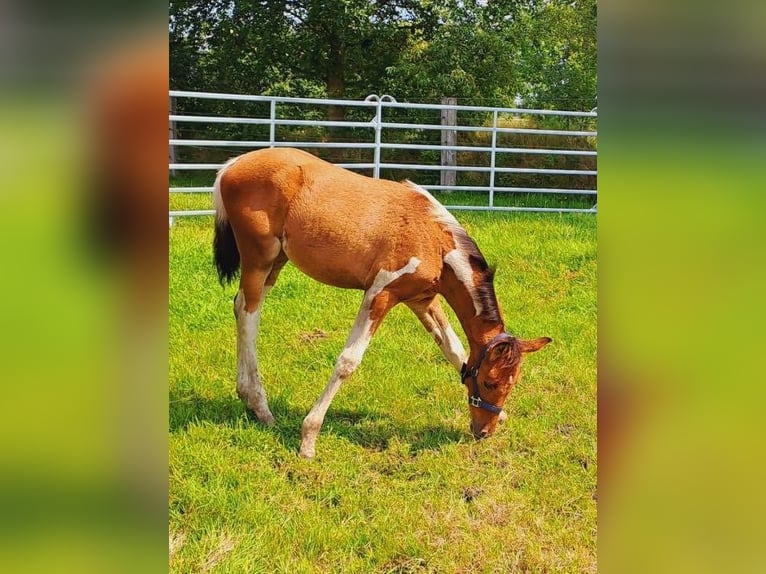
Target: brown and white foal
[{"x": 393, "y": 241}]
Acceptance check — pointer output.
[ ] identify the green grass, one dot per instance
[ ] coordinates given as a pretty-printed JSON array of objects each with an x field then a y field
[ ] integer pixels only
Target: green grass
[
  {"x": 188, "y": 201},
  {"x": 398, "y": 484}
]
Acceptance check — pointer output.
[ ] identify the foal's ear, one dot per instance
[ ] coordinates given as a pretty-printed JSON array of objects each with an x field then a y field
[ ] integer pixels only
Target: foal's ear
[{"x": 534, "y": 344}]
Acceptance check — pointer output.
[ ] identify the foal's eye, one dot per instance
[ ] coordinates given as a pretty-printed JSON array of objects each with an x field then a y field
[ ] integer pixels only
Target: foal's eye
[{"x": 490, "y": 384}]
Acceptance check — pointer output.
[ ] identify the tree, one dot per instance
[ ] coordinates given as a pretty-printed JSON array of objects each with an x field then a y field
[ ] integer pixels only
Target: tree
[
  {"x": 558, "y": 53},
  {"x": 459, "y": 51},
  {"x": 483, "y": 51},
  {"x": 349, "y": 43},
  {"x": 332, "y": 48},
  {"x": 494, "y": 51}
]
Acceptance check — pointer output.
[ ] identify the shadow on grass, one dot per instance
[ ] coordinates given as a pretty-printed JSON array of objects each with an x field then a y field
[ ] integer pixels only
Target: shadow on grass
[{"x": 369, "y": 429}]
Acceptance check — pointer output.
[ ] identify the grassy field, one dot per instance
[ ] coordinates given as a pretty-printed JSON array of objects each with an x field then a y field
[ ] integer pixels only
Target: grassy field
[
  {"x": 398, "y": 484},
  {"x": 188, "y": 201}
]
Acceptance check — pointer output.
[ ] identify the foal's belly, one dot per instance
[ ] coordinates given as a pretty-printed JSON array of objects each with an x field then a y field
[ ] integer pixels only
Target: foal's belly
[
  {"x": 343, "y": 239},
  {"x": 328, "y": 260}
]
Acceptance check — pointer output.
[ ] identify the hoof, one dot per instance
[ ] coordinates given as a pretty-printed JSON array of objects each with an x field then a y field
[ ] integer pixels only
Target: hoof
[
  {"x": 267, "y": 420},
  {"x": 264, "y": 418},
  {"x": 307, "y": 450},
  {"x": 307, "y": 454},
  {"x": 502, "y": 417}
]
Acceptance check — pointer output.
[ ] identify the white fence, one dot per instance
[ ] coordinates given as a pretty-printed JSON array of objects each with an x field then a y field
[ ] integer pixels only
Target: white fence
[{"x": 499, "y": 123}]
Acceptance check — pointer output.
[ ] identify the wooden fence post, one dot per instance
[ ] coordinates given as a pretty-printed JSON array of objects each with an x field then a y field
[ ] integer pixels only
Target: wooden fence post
[{"x": 449, "y": 138}]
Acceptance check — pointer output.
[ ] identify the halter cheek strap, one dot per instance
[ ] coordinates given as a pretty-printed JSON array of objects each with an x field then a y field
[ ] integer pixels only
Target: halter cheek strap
[{"x": 475, "y": 399}]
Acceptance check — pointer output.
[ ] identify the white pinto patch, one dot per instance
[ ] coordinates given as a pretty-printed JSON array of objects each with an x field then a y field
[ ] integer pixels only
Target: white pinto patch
[
  {"x": 455, "y": 258},
  {"x": 464, "y": 273},
  {"x": 220, "y": 210},
  {"x": 440, "y": 213},
  {"x": 385, "y": 278}
]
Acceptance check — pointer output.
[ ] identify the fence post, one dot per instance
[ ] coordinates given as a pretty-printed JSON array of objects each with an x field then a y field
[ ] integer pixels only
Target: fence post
[
  {"x": 493, "y": 155},
  {"x": 449, "y": 138},
  {"x": 172, "y": 136}
]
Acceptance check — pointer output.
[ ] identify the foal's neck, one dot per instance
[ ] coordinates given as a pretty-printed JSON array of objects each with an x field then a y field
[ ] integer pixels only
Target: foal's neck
[{"x": 480, "y": 328}]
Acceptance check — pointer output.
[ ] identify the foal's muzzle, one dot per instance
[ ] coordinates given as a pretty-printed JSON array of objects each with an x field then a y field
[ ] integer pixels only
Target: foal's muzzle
[{"x": 482, "y": 433}]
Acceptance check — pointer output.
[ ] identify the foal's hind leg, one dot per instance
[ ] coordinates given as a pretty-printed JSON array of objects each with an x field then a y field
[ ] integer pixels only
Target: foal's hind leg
[
  {"x": 435, "y": 321},
  {"x": 256, "y": 281}
]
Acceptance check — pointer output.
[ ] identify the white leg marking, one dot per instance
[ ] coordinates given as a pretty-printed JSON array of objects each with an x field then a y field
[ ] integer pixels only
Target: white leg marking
[
  {"x": 249, "y": 386},
  {"x": 347, "y": 362},
  {"x": 455, "y": 258},
  {"x": 464, "y": 273},
  {"x": 450, "y": 345},
  {"x": 350, "y": 357},
  {"x": 453, "y": 348}
]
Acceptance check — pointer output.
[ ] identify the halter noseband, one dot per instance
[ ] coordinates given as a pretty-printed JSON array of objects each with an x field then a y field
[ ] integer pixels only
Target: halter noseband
[{"x": 475, "y": 399}]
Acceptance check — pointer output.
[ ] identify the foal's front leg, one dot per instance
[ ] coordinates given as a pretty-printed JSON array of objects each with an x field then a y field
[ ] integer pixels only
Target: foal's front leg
[
  {"x": 432, "y": 317},
  {"x": 374, "y": 308}
]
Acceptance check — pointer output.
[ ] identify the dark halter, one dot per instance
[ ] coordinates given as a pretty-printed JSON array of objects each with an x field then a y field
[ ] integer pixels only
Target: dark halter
[{"x": 475, "y": 399}]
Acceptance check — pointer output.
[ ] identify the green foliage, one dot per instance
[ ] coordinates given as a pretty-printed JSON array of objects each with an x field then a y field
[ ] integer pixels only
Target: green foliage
[
  {"x": 398, "y": 484},
  {"x": 481, "y": 52},
  {"x": 557, "y": 57}
]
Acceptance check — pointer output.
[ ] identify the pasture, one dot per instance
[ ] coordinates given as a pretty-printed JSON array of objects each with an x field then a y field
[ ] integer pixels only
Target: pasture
[{"x": 398, "y": 484}]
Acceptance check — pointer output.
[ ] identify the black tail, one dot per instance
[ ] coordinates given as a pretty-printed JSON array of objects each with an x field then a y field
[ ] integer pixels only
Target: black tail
[{"x": 225, "y": 252}]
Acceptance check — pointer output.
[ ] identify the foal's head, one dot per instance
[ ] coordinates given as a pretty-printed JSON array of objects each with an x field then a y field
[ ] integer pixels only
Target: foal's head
[{"x": 491, "y": 378}]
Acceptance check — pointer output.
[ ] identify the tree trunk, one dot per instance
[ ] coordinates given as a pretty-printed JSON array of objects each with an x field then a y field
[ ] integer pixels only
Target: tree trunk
[{"x": 336, "y": 81}]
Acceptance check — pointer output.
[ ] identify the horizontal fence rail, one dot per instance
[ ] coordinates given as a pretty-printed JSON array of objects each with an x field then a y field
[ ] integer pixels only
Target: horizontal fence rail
[{"x": 398, "y": 130}]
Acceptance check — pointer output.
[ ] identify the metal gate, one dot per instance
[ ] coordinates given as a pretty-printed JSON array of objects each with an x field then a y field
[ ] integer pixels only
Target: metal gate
[{"x": 480, "y": 167}]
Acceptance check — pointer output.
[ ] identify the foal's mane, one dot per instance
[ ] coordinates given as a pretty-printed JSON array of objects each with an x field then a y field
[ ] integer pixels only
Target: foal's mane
[{"x": 485, "y": 288}]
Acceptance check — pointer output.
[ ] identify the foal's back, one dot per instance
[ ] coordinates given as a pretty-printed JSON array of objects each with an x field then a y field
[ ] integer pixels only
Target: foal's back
[{"x": 337, "y": 226}]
